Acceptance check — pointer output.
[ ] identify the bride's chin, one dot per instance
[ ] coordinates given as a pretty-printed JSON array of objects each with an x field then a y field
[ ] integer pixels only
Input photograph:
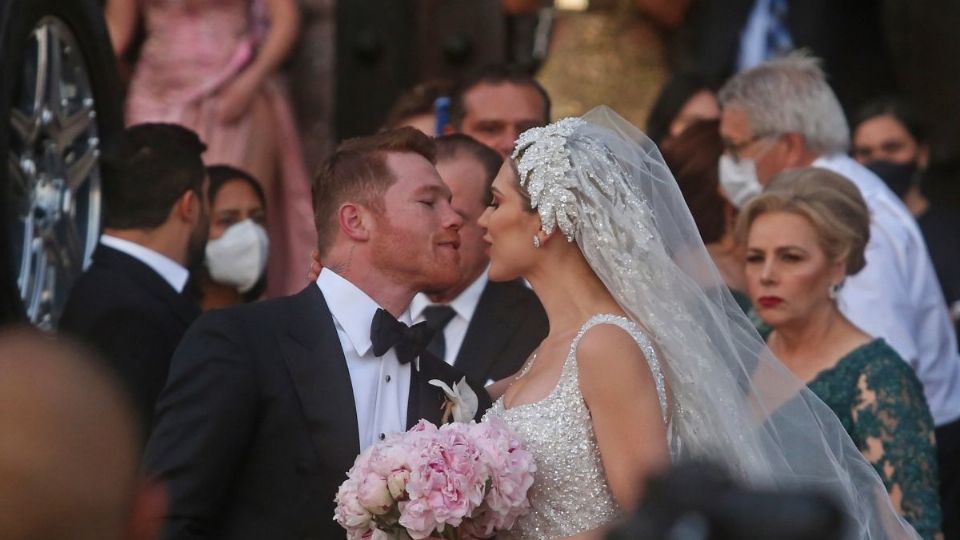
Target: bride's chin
[{"x": 501, "y": 274}]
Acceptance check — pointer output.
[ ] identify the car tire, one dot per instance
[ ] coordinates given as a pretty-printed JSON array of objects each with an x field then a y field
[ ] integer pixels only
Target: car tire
[{"x": 60, "y": 101}]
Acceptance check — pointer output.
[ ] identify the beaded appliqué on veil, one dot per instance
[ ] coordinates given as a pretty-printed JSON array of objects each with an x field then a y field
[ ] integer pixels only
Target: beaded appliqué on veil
[{"x": 570, "y": 494}]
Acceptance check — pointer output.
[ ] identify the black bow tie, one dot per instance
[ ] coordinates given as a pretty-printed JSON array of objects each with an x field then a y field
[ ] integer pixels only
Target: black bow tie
[{"x": 409, "y": 341}]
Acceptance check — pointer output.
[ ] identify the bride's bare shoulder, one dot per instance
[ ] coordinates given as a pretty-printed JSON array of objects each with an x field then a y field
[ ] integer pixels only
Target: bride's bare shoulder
[{"x": 610, "y": 350}]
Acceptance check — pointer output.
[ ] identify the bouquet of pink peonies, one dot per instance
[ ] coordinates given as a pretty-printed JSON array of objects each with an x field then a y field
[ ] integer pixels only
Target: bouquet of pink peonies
[{"x": 458, "y": 481}]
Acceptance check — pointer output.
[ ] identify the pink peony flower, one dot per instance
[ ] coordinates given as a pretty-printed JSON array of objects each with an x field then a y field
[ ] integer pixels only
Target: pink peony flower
[
  {"x": 510, "y": 470},
  {"x": 349, "y": 512},
  {"x": 448, "y": 483},
  {"x": 416, "y": 518},
  {"x": 374, "y": 494}
]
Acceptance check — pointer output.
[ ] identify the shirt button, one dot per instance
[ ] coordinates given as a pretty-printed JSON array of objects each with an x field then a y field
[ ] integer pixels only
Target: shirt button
[
  {"x": 382, "y": 436},
  {"x": 388, "y": 378}
]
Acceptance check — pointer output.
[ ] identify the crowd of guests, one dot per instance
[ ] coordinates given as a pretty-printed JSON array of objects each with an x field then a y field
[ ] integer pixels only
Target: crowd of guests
[{"x": 821, "y": 230}]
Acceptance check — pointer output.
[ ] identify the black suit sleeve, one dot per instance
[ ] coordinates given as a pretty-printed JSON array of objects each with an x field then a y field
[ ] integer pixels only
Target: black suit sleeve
[
  {"x": 205, "y": 419},
  {"x": 525, "y": 339},
  {"x": 130, "y": 346},
  {"x": 530, "y": 328}
]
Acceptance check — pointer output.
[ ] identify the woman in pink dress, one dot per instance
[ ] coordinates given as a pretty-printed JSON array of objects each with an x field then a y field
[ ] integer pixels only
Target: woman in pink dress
[{"x": 211, "y": 65}]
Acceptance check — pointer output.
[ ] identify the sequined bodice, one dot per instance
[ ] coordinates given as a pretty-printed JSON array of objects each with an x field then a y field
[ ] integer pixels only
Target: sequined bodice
[{"x": 570, "y": 494}]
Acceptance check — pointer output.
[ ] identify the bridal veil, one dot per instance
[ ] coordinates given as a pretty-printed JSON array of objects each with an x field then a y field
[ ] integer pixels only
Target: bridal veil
[{"x": 602, "y": 183}]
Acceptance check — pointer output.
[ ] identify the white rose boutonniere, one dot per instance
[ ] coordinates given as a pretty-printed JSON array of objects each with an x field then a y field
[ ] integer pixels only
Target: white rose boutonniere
[{"x": 461, "y": 401}]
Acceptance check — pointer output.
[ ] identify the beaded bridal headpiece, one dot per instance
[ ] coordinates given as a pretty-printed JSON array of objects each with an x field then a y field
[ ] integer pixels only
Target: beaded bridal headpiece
[
  {"x": 544, "y": 168},
  {"x": 558, "y": 188}
]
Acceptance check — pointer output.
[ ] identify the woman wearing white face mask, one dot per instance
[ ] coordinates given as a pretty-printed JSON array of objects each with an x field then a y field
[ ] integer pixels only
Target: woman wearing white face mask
[{"x": 238, "y": 247}]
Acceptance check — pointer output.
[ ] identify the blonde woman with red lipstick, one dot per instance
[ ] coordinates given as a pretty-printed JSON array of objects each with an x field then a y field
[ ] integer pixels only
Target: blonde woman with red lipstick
[{"x": 804, "y": 235}]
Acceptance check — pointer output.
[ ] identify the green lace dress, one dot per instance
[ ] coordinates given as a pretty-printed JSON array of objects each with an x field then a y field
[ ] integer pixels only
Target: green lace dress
[{"x": 880, "y": 403}]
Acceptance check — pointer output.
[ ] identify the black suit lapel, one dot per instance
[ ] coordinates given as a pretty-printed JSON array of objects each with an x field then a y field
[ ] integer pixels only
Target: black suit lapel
[
  {"x": 318, "y": 369},
  {"x": 425, "y": 399},
  {"x": 484, "y": 337}
]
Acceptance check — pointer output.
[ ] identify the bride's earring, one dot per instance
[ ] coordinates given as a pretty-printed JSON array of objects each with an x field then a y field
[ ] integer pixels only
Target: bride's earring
[
  {"x": 536, "y": 241},
  {"x": 833, "y": 291}
]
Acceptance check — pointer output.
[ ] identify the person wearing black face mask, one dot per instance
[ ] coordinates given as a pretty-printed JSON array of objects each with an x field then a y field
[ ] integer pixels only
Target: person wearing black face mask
[{"x": 889, "y": 140}]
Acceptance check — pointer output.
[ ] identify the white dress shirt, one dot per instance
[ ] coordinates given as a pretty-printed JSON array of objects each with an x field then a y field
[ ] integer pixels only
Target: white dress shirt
[
  {"x": 897, "y": 296},
  {"x": 463, "y": 305},
  {"x": 170, "y": 270},
  {"x": 381, "y": 386}
]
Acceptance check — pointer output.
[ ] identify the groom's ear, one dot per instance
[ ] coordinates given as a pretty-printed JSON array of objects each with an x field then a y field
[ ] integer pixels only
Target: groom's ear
[{"x": 354, "y": 221}]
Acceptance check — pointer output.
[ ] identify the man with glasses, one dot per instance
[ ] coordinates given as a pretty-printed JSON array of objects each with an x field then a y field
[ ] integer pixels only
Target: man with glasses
[{"x": 783, "y": 115}]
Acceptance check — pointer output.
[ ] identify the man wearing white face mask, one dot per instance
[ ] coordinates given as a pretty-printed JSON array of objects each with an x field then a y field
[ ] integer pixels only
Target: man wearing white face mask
[
  {"x": 238, "y": 247},
  {"x": 738, "y": 175},
  {"x": 783, "y": 115}
]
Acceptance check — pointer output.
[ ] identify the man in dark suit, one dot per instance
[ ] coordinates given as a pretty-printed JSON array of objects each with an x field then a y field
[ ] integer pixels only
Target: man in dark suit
[
  {"x": 484, "y": 328},
  {"x": 722, "y": 37},
  {"x": 268, "y": 404},
  {"x": 130, "y": 304}
]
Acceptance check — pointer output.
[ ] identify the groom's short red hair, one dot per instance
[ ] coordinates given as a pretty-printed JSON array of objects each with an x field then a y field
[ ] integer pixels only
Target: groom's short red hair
[{"x": 357, "y": 171}]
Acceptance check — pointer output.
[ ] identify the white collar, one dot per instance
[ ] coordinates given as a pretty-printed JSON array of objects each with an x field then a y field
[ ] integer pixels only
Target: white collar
[
  {"x": 170, "y": 270},
  {"x": 865, "y": 179},
  {"x": 352, "y": 308},
  {"x": 465, "y": 304}
]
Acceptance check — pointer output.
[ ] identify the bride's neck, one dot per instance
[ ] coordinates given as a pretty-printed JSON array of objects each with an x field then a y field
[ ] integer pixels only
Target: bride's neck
[{"x": 570, "y": 292}]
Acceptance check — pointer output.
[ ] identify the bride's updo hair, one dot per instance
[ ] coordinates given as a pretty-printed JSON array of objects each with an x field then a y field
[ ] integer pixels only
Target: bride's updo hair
[{"x": 830, "y": 202}]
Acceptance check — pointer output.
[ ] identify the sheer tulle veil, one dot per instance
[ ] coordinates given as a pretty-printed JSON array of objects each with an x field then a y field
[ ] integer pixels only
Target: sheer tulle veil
[{"x": 603, "y": 184}]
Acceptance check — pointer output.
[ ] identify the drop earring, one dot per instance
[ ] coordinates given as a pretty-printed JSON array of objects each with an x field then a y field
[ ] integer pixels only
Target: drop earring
[{"x": 536, "y": 241}]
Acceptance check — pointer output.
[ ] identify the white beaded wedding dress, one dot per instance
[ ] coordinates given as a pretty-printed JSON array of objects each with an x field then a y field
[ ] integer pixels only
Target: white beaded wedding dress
[{"x": 558, "y": 430}]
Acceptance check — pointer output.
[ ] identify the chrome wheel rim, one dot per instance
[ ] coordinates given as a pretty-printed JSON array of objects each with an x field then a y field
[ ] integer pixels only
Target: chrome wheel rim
[{"x": 53, "y": 167}]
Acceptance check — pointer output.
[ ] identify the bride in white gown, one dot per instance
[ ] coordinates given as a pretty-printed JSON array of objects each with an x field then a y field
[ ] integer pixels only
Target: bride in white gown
[{"x": 649, "y": 360}]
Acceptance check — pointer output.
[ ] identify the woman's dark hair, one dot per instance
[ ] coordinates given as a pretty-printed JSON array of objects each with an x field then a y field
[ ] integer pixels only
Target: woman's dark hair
[
  {"x": 693, "y": 156},
  {"x": 220, "y": 175},
  {"x": 898, "y": 108},
  {"x": 673, "y": 96}
]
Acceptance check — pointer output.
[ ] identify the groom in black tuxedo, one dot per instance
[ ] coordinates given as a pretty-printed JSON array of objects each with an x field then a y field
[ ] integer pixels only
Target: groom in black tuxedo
[{"x": 267, "y": 405}]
